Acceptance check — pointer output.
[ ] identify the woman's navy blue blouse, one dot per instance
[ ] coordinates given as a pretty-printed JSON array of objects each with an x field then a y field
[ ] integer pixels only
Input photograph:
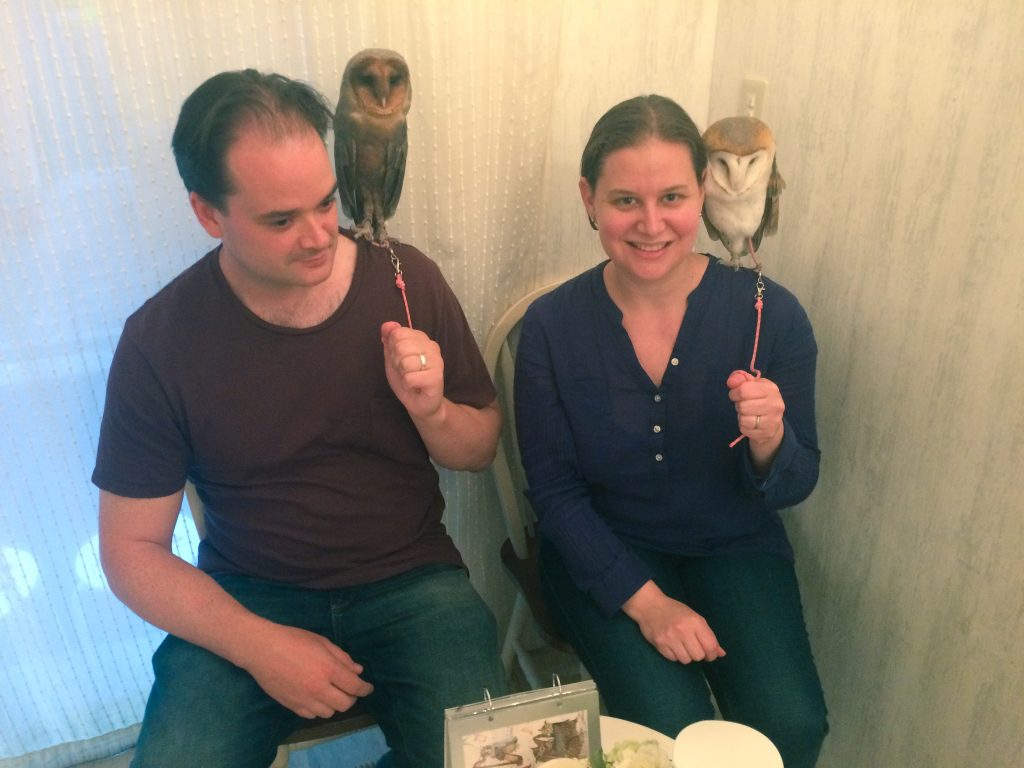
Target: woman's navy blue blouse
[{"x": 613, "y": 461}]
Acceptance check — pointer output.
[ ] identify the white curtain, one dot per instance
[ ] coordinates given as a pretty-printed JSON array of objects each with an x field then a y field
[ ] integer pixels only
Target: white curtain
[{"x": 93, "y": 220}]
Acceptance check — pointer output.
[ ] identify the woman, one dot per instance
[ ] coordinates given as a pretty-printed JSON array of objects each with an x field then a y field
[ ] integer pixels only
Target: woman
[{"x": 663, "y": 555}]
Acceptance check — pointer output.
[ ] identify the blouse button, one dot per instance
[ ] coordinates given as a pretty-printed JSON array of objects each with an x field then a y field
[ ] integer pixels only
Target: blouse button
[
  {"x": 658, "y": 457},
  {"x": 657, "y": 398},
  {"x": 657, "y": 428},
  {"x": 674, "y": 361}
]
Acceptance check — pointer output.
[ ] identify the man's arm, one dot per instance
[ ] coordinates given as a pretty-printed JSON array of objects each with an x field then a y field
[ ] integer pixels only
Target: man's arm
[
  {"x": 460, "y": 436},
  {"x": 302, "y": 670},
  {"x": 457, "y": 436}
]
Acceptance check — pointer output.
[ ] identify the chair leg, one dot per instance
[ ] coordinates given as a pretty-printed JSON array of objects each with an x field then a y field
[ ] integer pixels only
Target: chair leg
[
  {"x": 281, "y": 758},
  {"x": 516, "y": 626}
]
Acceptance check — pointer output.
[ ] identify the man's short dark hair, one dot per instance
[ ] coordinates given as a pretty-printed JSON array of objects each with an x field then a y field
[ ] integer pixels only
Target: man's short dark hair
[{"x": 212, "y": 116}]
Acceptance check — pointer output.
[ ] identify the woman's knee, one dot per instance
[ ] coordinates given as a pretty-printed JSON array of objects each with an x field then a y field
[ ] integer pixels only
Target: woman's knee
[{"x": 798, "y": 732}]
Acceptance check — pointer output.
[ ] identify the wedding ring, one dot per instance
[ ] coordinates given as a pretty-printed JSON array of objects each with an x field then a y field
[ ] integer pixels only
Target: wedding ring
[
  {"x": 757, "y": 419},
  {"x": 423, "y": 362}
]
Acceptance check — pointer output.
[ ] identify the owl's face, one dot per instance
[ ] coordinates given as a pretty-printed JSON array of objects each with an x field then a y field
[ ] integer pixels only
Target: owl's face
[
  {"x": 741, "y": 151},
  {"x": 381, "y": 84},
  {"x": 736, "y": 174}
]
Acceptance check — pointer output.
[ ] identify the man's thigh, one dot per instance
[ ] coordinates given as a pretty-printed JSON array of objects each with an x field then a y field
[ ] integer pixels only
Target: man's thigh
[
  {"x": 203, "y": 710},
  {"x": 427, "y": 641}
]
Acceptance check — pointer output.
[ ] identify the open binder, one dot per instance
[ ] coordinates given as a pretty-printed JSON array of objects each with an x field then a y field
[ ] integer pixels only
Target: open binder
[{"x": 526, "y": 730}]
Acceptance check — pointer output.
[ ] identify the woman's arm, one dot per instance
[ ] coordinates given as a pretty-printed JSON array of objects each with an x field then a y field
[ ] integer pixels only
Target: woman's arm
[
  {"x": 782, "y": 457},
  {"x": 598, "y": 562}
]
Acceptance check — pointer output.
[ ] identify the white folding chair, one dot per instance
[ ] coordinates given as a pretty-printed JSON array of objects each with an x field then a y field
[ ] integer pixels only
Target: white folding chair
[{"x": 519, "y": 552}]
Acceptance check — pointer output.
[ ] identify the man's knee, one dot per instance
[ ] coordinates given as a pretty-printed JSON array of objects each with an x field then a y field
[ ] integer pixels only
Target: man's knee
[{"x": 203, "y": 710}]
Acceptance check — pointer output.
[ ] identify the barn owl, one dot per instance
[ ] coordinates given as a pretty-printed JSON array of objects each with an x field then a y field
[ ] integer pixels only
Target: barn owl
[
  {"x": 742, "y": 188},
  {"x": 370, "y": 139}
]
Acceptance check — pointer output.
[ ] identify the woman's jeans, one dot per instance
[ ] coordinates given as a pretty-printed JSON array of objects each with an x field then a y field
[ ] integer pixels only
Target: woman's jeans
[
  {"x": 426, "y": 640},
  {"x": 751, "y": 601}
]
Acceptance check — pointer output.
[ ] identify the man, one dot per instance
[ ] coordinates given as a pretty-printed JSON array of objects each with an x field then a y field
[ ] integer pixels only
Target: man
[{"x": 274, "y": 374}]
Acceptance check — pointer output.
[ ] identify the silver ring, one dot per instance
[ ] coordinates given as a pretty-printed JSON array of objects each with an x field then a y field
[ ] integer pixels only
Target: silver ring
[
  {"x": 757, "y": 419},
  {"x": 423, "y": 362}
]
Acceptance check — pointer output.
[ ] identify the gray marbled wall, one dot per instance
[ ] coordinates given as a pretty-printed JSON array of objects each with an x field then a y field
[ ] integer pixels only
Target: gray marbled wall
[{"x": 901, "y": 135}]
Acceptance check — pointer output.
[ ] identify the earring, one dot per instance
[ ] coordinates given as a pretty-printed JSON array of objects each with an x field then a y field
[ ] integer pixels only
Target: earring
[{"x": 593, "y": 222}]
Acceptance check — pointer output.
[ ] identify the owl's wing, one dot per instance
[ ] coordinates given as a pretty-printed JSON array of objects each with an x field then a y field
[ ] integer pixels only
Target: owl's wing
[
  {"x": 394, "y": 171},
  {"x": 714, "y": 233},
  {"x": 345, "y": 169},
  {"x": 770, "y": 217}
]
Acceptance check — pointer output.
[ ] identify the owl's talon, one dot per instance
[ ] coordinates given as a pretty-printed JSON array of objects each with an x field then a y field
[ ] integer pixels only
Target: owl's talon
[{"x": 363, "y": 231}]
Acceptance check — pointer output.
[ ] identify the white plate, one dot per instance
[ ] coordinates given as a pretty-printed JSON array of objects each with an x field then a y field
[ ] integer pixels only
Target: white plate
[
  {"x": 722, "y": 744},
  {"x": 614, "y": 730}
]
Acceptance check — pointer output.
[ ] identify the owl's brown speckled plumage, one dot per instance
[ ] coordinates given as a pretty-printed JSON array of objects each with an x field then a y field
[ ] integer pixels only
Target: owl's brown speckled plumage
[{"x": 370, "y": 139}]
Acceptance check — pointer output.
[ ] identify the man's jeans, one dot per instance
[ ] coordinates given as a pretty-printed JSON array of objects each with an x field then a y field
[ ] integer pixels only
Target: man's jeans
[{"x": 426, "y": 640}]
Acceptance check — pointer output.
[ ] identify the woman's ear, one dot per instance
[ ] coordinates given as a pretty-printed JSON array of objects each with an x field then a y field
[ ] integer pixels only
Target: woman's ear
[
  {"x": 587, "y": 194},
  {"x": 207, "y": 214}
]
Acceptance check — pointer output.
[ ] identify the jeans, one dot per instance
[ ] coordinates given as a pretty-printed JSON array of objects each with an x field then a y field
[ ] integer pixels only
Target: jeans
[
  {"x": 426, "y": 640},
  {"x": 767, "y": 679}
]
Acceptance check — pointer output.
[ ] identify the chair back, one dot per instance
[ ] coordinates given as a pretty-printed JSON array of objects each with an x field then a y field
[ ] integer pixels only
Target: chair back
[
  {"x": 499, "y": 355},
  {"x": 519, "y": 551},
  {"x": 195, "y": 504}
]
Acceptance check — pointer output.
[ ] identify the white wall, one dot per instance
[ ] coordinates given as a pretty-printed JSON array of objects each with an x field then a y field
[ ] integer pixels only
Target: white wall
[{"x": 901, "y": 138}]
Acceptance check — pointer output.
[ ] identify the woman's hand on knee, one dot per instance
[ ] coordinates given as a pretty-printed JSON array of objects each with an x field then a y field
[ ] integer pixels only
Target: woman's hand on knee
[{"x": 677, "y": 631}]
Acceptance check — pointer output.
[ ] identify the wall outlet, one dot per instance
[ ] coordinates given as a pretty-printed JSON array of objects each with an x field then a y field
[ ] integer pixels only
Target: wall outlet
[{"x": 752, "y": 96}]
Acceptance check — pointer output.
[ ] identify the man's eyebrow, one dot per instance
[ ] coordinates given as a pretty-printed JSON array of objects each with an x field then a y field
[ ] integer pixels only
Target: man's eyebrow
[
  {"x": 332, "y": 193},
  {"x": 271, "y": 215}
]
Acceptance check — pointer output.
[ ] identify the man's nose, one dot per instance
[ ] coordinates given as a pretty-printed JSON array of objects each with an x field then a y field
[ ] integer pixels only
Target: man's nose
[{"x": 317, "y": 232}]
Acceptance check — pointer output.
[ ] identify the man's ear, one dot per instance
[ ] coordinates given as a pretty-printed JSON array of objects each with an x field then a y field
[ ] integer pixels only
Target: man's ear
[{"x": 207, "y": 213}]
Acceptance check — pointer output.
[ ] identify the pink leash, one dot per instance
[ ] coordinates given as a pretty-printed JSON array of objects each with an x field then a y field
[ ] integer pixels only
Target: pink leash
[
  {"x": 399, "y": 280},
  {"x": 758, "y": 305},
  {"x": 401, "y": 286}
]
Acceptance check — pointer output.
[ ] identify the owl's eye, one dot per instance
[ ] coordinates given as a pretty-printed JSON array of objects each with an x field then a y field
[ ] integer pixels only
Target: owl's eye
[
  {"x": 395, "y": 79},
  {"x": 366, "y": 80}
]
